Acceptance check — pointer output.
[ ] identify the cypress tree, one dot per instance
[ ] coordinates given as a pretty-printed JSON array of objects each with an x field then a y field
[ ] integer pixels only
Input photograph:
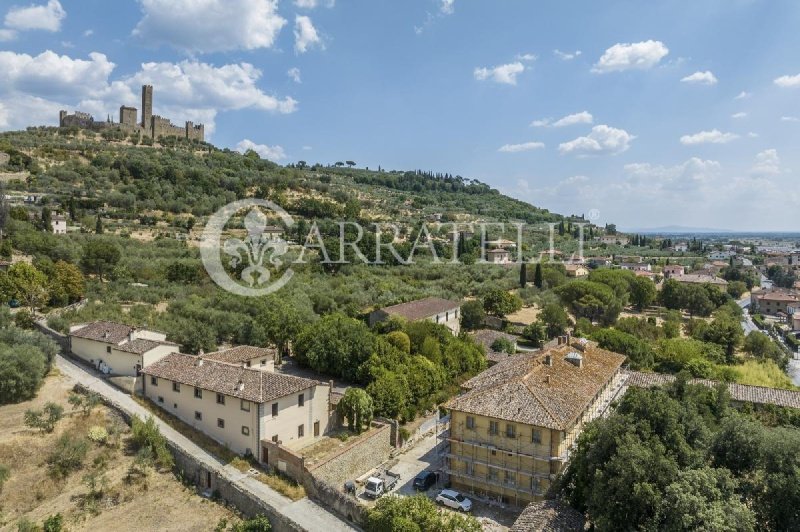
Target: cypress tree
[
  {"x": 537, "y": 275},
  {"x": 523, "y": 275}
]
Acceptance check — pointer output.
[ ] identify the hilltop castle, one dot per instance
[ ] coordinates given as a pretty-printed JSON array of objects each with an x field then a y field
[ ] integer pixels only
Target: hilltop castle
[{"x": 151, "y": 125}]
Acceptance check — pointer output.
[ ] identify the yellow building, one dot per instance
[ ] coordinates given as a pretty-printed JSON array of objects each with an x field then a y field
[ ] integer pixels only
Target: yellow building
[{"x": 512, "y": 430}]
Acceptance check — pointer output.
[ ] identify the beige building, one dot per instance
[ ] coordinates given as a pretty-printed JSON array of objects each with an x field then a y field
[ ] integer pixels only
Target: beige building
[
  {"x": 700, "y": 278},
  {"x": 58, "y": 224},
  {"x": 118, "y": 349},
  {"x": 512, "y": 430},
  {"x": 576, "y": 270},
  {"x": 672, "y": 270},
  {"x": 434, "y": 309},
  {"x": 239, "y": 406},
  {"x": 774, "y": 302},
  {"x": 247, "y": 356},
  {"x": 498, "y": 256}
]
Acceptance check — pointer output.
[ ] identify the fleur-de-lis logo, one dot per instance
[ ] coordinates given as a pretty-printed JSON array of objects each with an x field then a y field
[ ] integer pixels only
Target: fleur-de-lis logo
[
  {"x": 259, "y": 249},
  {"x": 255, "y": 247}
]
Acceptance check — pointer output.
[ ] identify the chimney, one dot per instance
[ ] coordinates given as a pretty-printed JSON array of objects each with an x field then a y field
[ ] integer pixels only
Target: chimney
[
  {"x": 240, "y": 386},
  {"x": 547, "y": 379},
  {"x": 199, "y": 362},
  {"x": 548, "y": 360}
]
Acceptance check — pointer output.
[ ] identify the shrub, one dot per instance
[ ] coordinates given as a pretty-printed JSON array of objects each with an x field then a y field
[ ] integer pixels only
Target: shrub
[
  {"x": 98, "y": 434},
  {"x": 4, "y": 474},
  {"x": 54, "y": 523},
  {"x": 67, "y": 456},
  {"x": 21, "y": 371},
  {"x": 146, "y": 435}
]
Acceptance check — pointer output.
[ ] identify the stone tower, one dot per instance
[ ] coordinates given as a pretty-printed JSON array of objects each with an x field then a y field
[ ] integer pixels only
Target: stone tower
[{"x": 147, "y": 105}]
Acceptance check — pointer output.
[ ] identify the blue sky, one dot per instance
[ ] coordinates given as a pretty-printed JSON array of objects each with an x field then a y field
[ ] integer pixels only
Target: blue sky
[{"x": 652, "y": 113}]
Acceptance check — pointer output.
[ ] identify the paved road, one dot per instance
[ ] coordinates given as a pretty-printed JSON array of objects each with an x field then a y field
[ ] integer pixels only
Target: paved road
[
  {"x": 747, "y": 321},
  {"x": 304, "y": 512}
]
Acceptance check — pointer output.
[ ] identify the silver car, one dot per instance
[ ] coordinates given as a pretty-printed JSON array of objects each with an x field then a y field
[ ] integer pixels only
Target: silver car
[{"x": 453, "y": 499}]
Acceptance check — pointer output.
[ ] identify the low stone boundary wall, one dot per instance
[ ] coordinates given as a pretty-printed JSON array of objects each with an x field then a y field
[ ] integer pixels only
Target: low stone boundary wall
[{"x": 61, "y": 339}]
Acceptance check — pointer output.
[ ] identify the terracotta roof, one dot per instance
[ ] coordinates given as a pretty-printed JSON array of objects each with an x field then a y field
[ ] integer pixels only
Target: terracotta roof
[
  {"x": 739, "y": 392},
  {"x": 421, "y": 308},
  {"x": 699, "y": 278},
  {"x": 142, "y": 345},
  {"x": 240, "y": 354},
  {"x": 244, "y": 383},
  {"x": 104, "y": 331},
  {"x": 549, "y": 516},
  {"x": 524, "y": 389},
  {"x": 486, "y": 337},
  {"x": 777, "y": 296}
]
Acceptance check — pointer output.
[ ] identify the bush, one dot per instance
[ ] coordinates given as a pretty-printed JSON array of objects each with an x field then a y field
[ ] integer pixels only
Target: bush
[
  {"x": 67, "y": 456},
  {"x": 98, "y": 434},
  {"x": 54, "y": 523},
  {"x": 146, "y": 435},
  {"x": 4, "y": 474}
]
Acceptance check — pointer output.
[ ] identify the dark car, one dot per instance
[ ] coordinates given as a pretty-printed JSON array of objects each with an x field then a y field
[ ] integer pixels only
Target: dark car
[{"x": 424, "y": 480}]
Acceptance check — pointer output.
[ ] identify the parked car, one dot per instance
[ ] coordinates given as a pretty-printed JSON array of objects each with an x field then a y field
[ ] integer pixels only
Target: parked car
[
  {"x": 424, "y": 480},
  {"x": 453, "y": 499}
]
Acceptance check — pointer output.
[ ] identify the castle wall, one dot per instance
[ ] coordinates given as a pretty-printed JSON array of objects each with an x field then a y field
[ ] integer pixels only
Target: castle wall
[
  {"x": 127, "y": 116},
  {"x": 153, "y": 126}
]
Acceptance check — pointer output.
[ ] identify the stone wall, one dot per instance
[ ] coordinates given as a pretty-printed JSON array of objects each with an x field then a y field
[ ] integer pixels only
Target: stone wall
[
  {"x": 249, "y": 504},
  {"x": 61, "y": 339},
  {"x": 356, "y": 458}
]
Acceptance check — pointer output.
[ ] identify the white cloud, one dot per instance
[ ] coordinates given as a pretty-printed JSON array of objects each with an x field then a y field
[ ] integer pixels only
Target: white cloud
[
  {"x": 516, "y": 148},
  {"x": 602, "y": 140},
  {"x": 566, "y": 56},
  {"x": 752, "y": 135},
  {"x": 526, "y": 57},
  {"x": 307, "y": 148},
  {"x": 701, "y": 78},
  {"x": 7, "y": 35},
  {"x": 273, "y": 153},
  {"x": 294, "y": 74},
  {"x": 742, "y": 95},
  {"x": 206, "y": 26},
  {"x": 36, "y": 87},
  {"x": 312, "y": 4},
  {"x": 628, "y": 56},
  {"x": 88, "y": 33},
  {"x": 305, "y": 35},
  {"x": 46, "y": 17},
  {"x": 790, "y": 119},
  {"x": 686, "y": 176},
  {"x": 767, "y": 163},
  {"x": 714, "y": 136},
  {"x": 447, "y": 7},
  {"x": 584, "y": 117},
  {"x": 500, "y": 74},
  {"x": 788, "y": 81},
  {"x": 739, "y": 115},
  {"x": 227, "y": 87}
]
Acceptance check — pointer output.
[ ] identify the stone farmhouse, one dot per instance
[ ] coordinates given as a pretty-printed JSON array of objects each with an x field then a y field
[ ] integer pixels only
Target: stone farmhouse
[
  {"x": 434, "y": 309},
  {"x": 150, "y": 125},
  {"x": 239, "y": 406},
  {"x": 58, "y": 224},
  {"x": 118, "y": 349},
  {"x": 775, "y": 302},
  {"x": 512, "y": 430}
]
